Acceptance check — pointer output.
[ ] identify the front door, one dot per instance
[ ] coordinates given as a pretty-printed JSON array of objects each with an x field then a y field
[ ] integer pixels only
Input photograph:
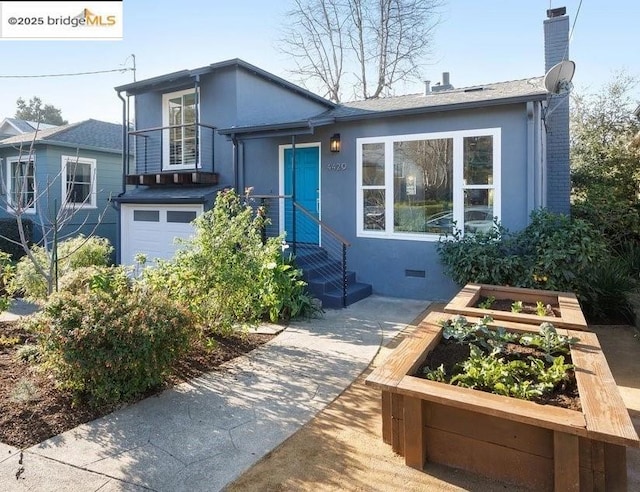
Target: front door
[{"x": 307, "y": 193}]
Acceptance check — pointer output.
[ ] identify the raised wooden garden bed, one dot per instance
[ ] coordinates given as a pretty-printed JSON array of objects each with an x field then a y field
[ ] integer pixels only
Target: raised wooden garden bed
[
  {"x": 539, "y": 446},
  {"x": 565, "y": 306}
]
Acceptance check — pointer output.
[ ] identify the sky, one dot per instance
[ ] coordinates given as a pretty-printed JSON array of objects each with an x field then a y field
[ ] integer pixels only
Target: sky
[{"x": 477, "y": 41}]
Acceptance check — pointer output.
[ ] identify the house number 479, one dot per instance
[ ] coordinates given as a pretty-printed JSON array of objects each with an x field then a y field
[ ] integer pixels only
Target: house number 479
[{"x": 337, "y": 166}]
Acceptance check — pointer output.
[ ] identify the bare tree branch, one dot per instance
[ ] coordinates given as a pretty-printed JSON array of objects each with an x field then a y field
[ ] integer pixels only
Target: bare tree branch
[{"x": 375, "y": 43}]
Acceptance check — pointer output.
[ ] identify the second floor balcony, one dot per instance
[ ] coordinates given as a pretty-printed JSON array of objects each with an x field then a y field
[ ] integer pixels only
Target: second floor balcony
[{"x": 174, "y": 154}]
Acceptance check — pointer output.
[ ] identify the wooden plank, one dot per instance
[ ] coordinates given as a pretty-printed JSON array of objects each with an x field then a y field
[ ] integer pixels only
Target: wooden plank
[
  {"x": 572, "y": 312},
  {"x": 566, "y": 462},
  {"x": 411, "y": 352},
  {"x": 464, "y": 302},
  {"x": 397, "y": 423},
  {"x": 615, "y": 468},
  {"x": 605, "y": 413},
  {"x": 546, "y": 416},
  {"x": 509, "y": 434},
  {"x": 386, "y": 417},
  {"x": 489, "y": 460},
  {"x": 415, "y": 446}
]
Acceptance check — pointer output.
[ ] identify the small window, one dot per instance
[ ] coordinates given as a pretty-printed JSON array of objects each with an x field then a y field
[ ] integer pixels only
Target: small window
[
  {"x": 79, "y": 181},
  {"x": 180, "y": 217},
  {"x": 21, "y": 184},
  {"x": 146, "y": 215}
]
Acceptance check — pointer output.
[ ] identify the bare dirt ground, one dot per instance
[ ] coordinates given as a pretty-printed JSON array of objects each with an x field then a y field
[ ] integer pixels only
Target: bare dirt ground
[
  {"x": 33, "y": 409},
  {"x": 342, "y": 448}
]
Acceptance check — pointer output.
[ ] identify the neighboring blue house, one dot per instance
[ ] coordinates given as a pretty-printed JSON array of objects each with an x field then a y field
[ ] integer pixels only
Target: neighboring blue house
[
  {"x": 74, "y": 166},
  {"x": 370, "y": 184}
]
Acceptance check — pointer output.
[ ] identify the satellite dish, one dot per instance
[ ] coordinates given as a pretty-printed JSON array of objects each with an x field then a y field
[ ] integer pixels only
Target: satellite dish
[{"x": 558, "y": 78}]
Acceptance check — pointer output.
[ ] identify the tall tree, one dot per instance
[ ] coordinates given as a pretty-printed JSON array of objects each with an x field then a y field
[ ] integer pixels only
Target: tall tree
[
  {"x": 36, "y": 111},
  {"x": 605, "y": 163},
  {"x": 368, "y": 44}
]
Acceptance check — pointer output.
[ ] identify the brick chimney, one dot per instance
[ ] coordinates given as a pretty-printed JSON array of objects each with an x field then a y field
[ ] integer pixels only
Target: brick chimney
[{"x": 556, "y": 49}]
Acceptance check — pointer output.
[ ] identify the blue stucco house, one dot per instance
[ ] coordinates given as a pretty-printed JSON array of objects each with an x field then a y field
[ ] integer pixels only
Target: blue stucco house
[
  {"x": 75, "y": 168},
  {"x": 363, "y": 190}
]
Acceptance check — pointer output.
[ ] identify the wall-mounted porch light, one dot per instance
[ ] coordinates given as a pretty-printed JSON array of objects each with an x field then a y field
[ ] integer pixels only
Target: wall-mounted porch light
[{"x": 334, "y": 143}]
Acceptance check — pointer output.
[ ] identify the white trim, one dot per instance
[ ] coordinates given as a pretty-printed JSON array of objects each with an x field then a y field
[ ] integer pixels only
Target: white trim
[
  {"x": 458, "y": 186},
  {"x": 87, "y": 204},
  {"x": 281, "y": 149},
  {"x": 8, "y": 162},
  {"x": 166, "y": 135}
]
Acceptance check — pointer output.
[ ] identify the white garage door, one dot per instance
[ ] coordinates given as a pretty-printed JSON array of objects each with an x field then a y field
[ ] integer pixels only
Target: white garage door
[{"x": 152, "y": 229}]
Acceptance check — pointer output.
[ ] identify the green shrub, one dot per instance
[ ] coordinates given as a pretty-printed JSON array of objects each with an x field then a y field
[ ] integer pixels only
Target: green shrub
[
  {"x": 559, "y": 252},
  {"x": 553, "y": 252},
  {"x": 486, "y": 257},
  {"x": 9, "y": 232},
  {"x": 7, "y": 272},
  {"x": 283, "y": 292},
  {"x": 227, "y": 275},
  {"x": 73, "y": 253},
  {"x": 113, "y": 341},
  {"x": 606, "y": 295}
]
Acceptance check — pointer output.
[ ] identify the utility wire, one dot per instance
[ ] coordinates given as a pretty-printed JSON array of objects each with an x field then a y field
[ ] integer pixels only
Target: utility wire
[{"x": 121, "y": 70}]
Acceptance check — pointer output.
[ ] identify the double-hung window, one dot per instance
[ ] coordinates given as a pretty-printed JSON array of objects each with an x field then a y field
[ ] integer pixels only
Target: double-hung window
[
  {"x": 79, "y": 181},
  {"x": 21, "y": 183},
  {"x": 420, "y": 186},
  {"x": 180, "y": 134}
]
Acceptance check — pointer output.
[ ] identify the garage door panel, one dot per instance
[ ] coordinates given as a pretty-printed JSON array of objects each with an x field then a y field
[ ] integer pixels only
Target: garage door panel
[{"x": 152, "y": 229}]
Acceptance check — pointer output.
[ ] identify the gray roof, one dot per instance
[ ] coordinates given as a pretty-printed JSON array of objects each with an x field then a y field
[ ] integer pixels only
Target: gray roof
[
  {"x": 94, "y": 134},
  {"x": 186, "y": 75},
  {"x": 513, "y": 91},
  {"x": 25, "y": 125},
  {"x": 637, "y": 111},
  {"x": 178, "y": 194}
]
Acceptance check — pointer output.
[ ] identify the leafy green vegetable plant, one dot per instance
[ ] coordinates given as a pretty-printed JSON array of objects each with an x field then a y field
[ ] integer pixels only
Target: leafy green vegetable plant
[
  {"x": 541, "y": 309},
  {"x": 487, "y": 303},
  {"x": 516, "y": 307},
  {"x": 489, "y": 368}
]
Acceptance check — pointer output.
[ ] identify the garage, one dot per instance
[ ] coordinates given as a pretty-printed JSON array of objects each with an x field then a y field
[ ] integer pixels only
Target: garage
[{"x": 151, "y": 229}]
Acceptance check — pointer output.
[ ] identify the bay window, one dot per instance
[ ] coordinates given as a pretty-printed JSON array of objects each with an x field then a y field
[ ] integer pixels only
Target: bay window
[{"x": 424, "y": 185}]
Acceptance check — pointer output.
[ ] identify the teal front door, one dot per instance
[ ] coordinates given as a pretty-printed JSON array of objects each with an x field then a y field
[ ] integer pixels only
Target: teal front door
[{"x": 307, "y": 194}]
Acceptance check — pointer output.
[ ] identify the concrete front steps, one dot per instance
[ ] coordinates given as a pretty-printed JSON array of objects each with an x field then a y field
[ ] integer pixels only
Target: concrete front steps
[{"x": 323, "y": 275}]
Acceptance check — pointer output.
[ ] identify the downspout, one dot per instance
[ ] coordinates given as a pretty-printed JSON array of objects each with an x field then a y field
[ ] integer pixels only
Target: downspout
[
  {"x": 198, "y": 162},
  {"x": 234, "y": 140},
  {"x": 530, "y": 159},
  {"x": 125, "y": 144},
  {"x": 125, "y": 161},
  {"x": 293, "y": 193}
]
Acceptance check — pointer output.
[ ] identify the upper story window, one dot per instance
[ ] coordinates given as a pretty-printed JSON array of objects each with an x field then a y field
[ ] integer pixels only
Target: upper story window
[
  {"x": 21, "y": 184},
  {"x": 79, "y": 181},
  {"x": 419, "y": 186},
  {"x": 180, "y": 142}
]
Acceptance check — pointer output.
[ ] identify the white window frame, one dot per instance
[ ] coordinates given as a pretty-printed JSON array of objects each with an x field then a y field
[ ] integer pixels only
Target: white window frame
[
  {"x": 459, "y": 186},
  {"x": 92, "y": 202},
  {"x": 166, "y": 135},
  {"x": 9, "y": 164}
]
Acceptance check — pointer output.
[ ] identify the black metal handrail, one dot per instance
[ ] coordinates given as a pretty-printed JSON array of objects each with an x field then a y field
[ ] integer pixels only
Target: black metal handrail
[
  {"x": 150, "y": 153},
  {"x": 343, "y": 244},
  {"x": 334, "y": 245}
]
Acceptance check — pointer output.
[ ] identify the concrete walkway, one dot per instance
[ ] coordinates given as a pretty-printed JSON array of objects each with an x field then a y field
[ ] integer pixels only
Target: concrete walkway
[{"x": 204, "y": 434}]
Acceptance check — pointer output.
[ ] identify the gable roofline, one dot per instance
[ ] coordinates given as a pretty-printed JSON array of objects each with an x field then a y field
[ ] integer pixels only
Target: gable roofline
[
  {"x": 184, "y": 75},
  {"x": 51, "y": 136},
  {"x": 24, "y": 126}
]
